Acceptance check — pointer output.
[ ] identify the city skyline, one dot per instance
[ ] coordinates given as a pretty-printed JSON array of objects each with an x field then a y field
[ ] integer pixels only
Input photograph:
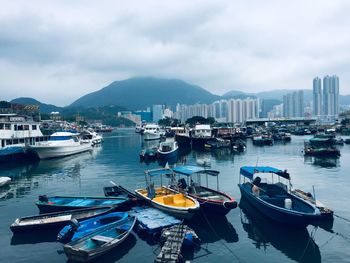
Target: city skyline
[{"x": 81, "y": 47}]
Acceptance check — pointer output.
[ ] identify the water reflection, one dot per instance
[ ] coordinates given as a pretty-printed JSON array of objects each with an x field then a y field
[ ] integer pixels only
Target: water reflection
[
  {"x": 324, "y": 162},
  {"x": 211, "y": 228},
  {"x": 294, "y": 243},
  {"x": 28, "y": 175}
]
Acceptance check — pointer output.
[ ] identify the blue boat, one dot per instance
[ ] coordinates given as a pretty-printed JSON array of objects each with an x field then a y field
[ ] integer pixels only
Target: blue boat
[
  {"x": 77, "y": 230},
  {"x": 62, "y": 203},
  {"x": 275, "y": 200},
  {"x": 100, "y": 241},
  {"x": 168, "y": 149}
]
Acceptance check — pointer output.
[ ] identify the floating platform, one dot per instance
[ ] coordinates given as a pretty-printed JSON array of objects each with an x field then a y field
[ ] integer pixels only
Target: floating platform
[{"x": 152, "y": 220}]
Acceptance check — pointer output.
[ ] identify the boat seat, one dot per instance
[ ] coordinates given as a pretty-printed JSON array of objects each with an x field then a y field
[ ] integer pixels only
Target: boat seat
[
  {"x": 168, "y": 199},
  {"x": 102, "y": 239}
]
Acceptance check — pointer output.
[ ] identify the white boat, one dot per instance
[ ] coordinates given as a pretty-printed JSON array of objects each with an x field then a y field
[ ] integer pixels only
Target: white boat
[
  {"x": 17, "y": 131},
  {"x": 61, "y": 144},
  {"x": 151, "y": 132},
  {"x": 4, "y": 181},
  {"x": 168, "y": 149},
  {"x": 90, "y": 136}
]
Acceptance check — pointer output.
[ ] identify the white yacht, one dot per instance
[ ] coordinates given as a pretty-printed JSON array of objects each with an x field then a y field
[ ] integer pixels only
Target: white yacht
[
  {"x": 17, "y": 131},
  {"x": 61, "y": 144},
  {"x": 91, "y": 136},
  {"x": 151, "y": 132}
]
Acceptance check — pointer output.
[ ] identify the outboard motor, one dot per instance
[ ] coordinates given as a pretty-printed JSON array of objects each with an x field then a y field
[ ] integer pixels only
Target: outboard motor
[
  {"x": 43, "y": 198},
  {"x": 65, "y": 236}
]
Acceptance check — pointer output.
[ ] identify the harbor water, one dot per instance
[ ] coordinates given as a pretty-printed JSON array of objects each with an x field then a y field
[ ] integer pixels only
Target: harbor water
[{"x": 244, "y": 235}]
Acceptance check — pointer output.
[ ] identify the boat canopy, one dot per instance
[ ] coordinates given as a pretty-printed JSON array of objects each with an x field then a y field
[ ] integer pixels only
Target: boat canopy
[
  {"x": 159, "y": 172},
  {"x": 249, "y": 171},
  {"x": 189, "y": 170}
]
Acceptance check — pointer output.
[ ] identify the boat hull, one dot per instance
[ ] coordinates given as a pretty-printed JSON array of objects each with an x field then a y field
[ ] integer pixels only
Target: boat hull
[
  {"x": 48, "y": 152},
  {"x": 86, "y": 202},
  {"x": 178, "y": 212},
  {"x": 183, "y": 140},
  {"x": 168, "y": 155},
  {"x": 151, "y": 136},
  {"x": 76, "y": 252},
  {"x": 280, "y": 215},
  {"x": 56, "y": 219}
]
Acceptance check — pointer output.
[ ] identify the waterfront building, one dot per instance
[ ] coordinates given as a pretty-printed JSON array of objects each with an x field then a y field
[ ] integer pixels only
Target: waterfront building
[
  {"x": 331, "y": 95},
  {"x": 317, "y": 97},
  {"x": 157, "y": 111},
  {"x": 293, "y": 104}
]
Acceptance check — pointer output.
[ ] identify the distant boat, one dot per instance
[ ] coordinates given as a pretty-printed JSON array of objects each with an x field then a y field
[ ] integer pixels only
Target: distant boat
[
  {"x": 275, "y": 200},
  {"x": 89, "y": 136},
  {"x": 16, "y": 132},
  {"x": 99, "y": 242},
  {"x": 63, "y": 203},
  {"x": 165, "y": 198},
  {"x": 168, "y": 149},
  {"x": 217, "y": 143},
  {"x": 182, "y": 136},
  {"x": 211, "y": 200},
  {"x": 151, "y": 132},
  {"x": 261, "y": 140},
  {"x": 77, "y": 230},
  {"x": 56, "y": 219},
  {"x": 200, "y": 135},
  {"x": 60, "y": 144},
  {"x": 4, "y": 180}
]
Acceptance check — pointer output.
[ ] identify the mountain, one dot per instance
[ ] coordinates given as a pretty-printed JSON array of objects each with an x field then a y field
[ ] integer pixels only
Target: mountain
[
  {"x": 44, "y": 108},
  {"x": 143, "y": 92}
]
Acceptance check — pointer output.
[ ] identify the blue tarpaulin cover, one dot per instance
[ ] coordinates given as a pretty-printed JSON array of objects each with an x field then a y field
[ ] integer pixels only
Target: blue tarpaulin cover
[
  {"x": 249, "y": 171},
  {"x": 158, "y": 172},
  {"x": 189, "y": 170}
]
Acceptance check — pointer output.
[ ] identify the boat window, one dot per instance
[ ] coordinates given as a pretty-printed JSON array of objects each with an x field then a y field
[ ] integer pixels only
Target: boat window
[
  {"x": 1, "y": 126},
  {"x": 2, "y": 143},
  {"x": 15, "y": 141},
  {"x": 7, "y": 126},
  {"x": 8, "y": 142},
  {"x": 15, "y": 127},
  {"x": 19, "y": 127},
  {"x": 75, "y": 139},
  {"x": 33, "y": 127},
  {"x": 21, "y": 140},
  {"x": 60, "y": 138},
  {"x": 26, "y": 127}
]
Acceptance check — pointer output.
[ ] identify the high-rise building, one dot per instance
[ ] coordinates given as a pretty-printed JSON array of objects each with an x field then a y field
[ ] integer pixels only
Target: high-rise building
[
  {"x": 157, "y": 111},
  {"x": 331, "y": 95},
  {"x": 317, "y": 97},
  {"x": 293, "y": 104}
]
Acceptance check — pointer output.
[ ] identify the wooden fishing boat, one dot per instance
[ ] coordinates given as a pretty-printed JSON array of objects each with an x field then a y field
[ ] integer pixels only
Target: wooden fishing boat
[
  {"x": 275, "y": 200},
  {"x": 77, "y": 230},
  {"x": 57, "y": 219},
  {"x": 166, "y": 199},
  {"x": 99, "y": 242},
  {"x": 212, "y": 201},
  {"x": 62, "y": 203}
]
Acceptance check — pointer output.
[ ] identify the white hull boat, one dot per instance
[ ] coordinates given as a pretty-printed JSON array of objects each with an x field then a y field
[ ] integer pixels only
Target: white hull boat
[
  {"x": 4, "y": 181},
  {"x": 61, "y": 144}
]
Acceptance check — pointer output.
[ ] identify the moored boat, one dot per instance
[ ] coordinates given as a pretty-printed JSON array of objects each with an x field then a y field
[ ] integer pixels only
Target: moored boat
[
  {"x": 200, "y": 135},
  {"x": 60, "y": 144},
  {"x": 99, "y": 242},
  {"x": 56, "y": 219},
  {"x": 63, "y": 203},
  {"x": 4, "y": 180},
  {"x": 211, "y": 200},
  {"x": 151, "y": 132},
  {"x": 168, "y": 149},
  {"x": 275, "y": 200},
  {"x": 77, "y": 230},
  {"x": 166, "y": 199}
]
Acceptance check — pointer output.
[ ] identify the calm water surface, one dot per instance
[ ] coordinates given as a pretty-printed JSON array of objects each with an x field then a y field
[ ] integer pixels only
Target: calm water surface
[{"x": 242, "y": 236}]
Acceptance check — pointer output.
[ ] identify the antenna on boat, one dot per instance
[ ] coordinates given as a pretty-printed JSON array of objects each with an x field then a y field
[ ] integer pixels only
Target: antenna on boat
[{"x": 257, "y": 161}]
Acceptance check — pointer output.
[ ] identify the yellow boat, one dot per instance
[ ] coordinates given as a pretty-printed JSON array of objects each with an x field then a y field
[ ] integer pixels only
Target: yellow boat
[{"x": 166, "y": 199}]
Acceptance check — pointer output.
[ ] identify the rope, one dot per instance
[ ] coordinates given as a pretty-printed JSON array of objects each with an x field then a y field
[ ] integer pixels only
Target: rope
[
  {"x": 224, "y": 244},
  {"x": 345, "y": 219},
  {"x": 308, "y": 242}
]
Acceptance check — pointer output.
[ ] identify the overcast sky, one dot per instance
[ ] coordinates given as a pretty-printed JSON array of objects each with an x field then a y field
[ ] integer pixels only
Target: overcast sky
[{"x": 57, "y": 51}]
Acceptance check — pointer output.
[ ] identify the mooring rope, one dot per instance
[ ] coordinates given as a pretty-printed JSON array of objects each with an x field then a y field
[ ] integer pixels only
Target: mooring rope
[
  {"x": 341, "y": 217},
  {"x": 311, "y": 237},
  {"x": 213, "y": 230}
]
